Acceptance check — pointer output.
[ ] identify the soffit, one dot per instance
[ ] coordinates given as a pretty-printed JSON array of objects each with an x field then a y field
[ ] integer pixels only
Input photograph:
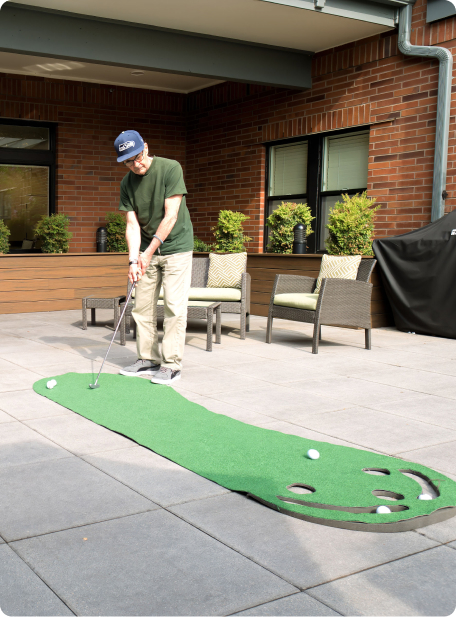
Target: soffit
[
  {"x": 256, "y": 21},
  {"x": 100, "y": 73}
]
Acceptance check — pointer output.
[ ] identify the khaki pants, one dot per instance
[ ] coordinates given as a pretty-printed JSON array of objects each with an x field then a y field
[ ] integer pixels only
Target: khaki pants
[{"x": 174, "y": 272}]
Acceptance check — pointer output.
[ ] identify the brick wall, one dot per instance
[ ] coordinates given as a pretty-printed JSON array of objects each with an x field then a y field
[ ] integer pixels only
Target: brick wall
[
  {"x": 367, "y": 82},
  {"x": 89, "y": 117},
  {"x": 218, "y": 133}
]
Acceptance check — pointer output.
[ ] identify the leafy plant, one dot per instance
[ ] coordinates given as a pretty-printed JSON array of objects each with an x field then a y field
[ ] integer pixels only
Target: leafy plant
[
  {"x": 4, "y": 235},
  {"x": 229, "y": 233},
  {"x": 116, "y": 224},
  {"x": 53, "y": 233},
  {"x": 201, "y": 246},
  {"x": 281, "y": 223},
  {"x": 351, "y": 225}
]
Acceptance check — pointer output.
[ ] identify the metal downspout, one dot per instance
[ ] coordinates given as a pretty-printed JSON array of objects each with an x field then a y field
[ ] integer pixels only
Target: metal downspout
[{"x": 445, "y": 59}]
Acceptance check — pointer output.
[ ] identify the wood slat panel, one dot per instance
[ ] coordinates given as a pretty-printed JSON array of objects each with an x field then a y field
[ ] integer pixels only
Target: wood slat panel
[
  {"x": 8, "y": 262},
  {"x": 38, "y": 307},
  {"x": 62, "y": 272},
  {"x": 66, "y": 283},
  {"x": 61, "y": 294}
]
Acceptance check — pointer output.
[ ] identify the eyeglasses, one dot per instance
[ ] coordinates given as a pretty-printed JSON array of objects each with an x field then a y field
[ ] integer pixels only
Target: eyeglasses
[{"x": 137, "y": 159}]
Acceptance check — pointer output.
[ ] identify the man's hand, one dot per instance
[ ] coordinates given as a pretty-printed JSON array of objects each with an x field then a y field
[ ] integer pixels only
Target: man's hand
[
  {"x": 134, "y": 272},
  {"x": 144, "y": 261}
]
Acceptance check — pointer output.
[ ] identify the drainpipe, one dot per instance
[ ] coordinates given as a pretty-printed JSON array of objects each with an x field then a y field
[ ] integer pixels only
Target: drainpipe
[{"x": 445, "y": 59}]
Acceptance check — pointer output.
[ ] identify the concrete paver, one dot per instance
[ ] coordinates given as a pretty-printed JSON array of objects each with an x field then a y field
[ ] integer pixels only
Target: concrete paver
[
  {"x": 305, "y": 554},
  {"x": 422, "y": 584},
  {"x": 22, "y": 591},
  {"x": 55, "y": 495},
  {"x": 296, "y": 605},
  {"x": 162, "y": 540},
  {"x": 148, "y": 564}
]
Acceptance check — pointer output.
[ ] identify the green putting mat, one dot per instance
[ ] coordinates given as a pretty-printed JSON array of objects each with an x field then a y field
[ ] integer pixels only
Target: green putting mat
[{"x": 259, "y": 462}]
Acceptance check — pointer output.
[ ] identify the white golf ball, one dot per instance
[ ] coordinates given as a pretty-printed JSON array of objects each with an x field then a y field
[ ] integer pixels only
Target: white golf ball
[
  {"x": 383, "y": 510},
  {"x": 50, "y": 384},
  {"x": 313, "y": 454},
  {"x": 424, "y": 496}
]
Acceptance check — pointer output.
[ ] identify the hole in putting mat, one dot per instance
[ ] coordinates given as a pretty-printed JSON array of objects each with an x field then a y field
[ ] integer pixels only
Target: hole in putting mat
[
  {"x": 428, "y": 486},
  {"x": 301, "y": 489},
  {"x": 376, "y": 471},
  {"x": 325, "y": 506},
  {"x": 388, "y": 495}
]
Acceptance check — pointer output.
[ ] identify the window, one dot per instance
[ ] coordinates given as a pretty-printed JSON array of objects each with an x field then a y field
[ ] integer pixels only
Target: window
[
  {"x": 317, "y": 171},
  {"x": 27, "y": 177}
]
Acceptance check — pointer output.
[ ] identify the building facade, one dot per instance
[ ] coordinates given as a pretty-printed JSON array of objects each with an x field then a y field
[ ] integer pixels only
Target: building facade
[{"x": 366, "y": 123}]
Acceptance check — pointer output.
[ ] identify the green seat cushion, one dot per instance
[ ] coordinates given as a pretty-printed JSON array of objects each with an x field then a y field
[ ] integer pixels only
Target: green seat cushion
[
  {"x": 215, "y": 294},
  {"x": 301, "y": 301},
  {"x": 220, "y": 294}
]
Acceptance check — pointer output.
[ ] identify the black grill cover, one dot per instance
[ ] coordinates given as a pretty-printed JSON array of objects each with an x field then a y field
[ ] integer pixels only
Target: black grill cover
[{"x": 419, "y": 275}]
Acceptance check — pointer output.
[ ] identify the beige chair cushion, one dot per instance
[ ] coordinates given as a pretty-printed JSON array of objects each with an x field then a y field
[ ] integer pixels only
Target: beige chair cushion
[
  {"x": 226, "y": 270},
  {"x": 301, "y": 301},
  {"x": 338, "y": 267},
  {"x": 221, "y": 294}
]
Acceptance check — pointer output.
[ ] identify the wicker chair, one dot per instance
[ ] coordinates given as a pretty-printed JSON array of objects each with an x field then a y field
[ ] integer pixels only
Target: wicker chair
[
  {"x": 200, "y": 271},
  {"x": 341, "y": 302}
]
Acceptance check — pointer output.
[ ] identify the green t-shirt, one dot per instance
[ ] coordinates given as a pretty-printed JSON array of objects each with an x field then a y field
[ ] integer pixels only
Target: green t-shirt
[{"x": 146, "y": 196}]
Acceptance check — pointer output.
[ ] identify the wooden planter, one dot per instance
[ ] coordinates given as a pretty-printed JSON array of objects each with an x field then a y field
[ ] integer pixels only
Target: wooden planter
[
  {"x": 46, "y": 282},
  {"x": 33, "y": 283}
]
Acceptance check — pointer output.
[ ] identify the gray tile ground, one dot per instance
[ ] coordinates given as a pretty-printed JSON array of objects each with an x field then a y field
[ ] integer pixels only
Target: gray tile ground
[
  {"x": 149, "y": 564},
  {"x": 22, "y": 592},
  {"x": 422, "y": 584},
  {"x": 224, "y": 554}
]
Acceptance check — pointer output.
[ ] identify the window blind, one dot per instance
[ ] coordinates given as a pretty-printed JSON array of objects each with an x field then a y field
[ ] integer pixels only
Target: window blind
[
  {"x": 289, "y": 169},
  {"x": 346, "y": 160}
]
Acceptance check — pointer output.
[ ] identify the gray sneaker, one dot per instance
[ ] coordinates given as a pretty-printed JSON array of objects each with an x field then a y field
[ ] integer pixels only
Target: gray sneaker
[
  {"x": 140, "y": 367},
  {"x": 166, "y": 376}
]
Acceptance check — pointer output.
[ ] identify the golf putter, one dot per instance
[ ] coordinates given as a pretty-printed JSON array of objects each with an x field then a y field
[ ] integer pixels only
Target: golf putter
[{"x": 95, "y": 385}]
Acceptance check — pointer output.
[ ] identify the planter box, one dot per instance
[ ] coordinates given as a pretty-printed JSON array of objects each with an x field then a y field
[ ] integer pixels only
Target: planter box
[
  {"x": 34, "y": 283},
  {"x": 47, "y": 282}
]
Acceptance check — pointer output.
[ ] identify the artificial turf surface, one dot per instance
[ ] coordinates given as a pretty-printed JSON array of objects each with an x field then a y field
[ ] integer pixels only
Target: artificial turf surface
[{"x": 252, "y": 460}]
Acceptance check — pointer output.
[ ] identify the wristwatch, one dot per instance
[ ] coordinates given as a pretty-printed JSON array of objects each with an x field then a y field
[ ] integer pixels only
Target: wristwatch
[{"x": 133, "y": 261}]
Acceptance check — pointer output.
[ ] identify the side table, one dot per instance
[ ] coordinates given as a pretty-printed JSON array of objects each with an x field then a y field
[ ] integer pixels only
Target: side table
[{"x": 106, "y": 303}]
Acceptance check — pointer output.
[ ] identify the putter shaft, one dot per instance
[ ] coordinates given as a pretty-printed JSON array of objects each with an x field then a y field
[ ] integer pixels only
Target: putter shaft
[{"x": 93, "y": 386}]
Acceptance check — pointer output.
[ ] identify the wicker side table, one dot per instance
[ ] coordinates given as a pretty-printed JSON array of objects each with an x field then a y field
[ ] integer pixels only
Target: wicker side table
[{"x": 105, "y": 303}]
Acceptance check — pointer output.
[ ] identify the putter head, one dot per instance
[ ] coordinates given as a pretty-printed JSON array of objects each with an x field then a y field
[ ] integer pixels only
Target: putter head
[{"x": 93, "y": 386}]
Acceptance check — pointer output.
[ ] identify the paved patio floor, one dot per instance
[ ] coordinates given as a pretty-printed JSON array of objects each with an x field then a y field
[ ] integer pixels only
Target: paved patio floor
[{"x": 92, "y": 524}]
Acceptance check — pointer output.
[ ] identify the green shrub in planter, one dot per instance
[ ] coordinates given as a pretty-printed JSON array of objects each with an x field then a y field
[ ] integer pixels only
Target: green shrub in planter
[
  {"x": 4, "y": 235},
  {"x": 116, "y": 225},
  {"x": 281, "y": 223},
  {"x": 53, "y": 233},
  {"x": 351, "y": 225},
  {"x": 200, "y": 246},
  {"x": 229, "y": 233}
]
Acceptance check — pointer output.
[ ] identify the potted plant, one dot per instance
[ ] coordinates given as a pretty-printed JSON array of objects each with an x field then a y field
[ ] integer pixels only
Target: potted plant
[
  {"x": 53, "y": 233},
  {"x": 199, "y": 246},
  {"x": 281, "y": 223},
  {"x": 351, "y": 225},
  {"x": 4, "y": 235},
  {"x": 116, "y": 225},
  {"x": 229, "y": 233}
]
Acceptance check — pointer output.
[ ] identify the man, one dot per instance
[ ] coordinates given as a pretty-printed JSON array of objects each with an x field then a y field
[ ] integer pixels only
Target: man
[{"x": 160, "y": 244}]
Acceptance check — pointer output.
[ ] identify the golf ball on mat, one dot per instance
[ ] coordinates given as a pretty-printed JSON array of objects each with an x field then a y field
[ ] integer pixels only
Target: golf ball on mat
[
  {"x": 313, "y": 454},
  {"x": 424, "y": 496},
  {"x": 383, "y": 510},
  {"x": 50, "y": 384}
]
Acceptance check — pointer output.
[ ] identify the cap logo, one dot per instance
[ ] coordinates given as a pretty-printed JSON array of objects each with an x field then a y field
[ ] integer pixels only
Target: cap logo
[{"x": 126, "y": 145}]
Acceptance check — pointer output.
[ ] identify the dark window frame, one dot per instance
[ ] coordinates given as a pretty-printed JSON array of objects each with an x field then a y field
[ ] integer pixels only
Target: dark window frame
[
  {"x": 314, "y": 193},
  {"x": 43, "y": 158}
]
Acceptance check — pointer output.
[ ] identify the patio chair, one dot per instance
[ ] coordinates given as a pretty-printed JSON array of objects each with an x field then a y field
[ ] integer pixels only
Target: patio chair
[{"x": 341, "y": 302}]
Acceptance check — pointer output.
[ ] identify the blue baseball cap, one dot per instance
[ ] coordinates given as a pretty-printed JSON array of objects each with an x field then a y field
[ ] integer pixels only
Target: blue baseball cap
[{"x": 128, "y": 144}]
